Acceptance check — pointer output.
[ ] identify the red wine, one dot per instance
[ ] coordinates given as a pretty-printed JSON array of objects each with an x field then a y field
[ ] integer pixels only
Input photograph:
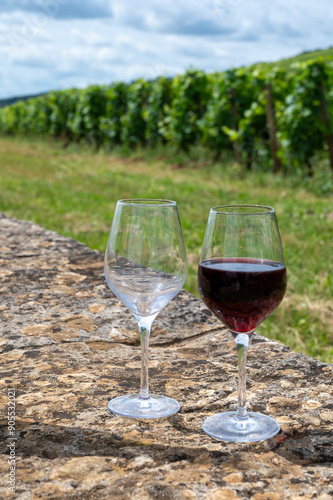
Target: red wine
[{"x": 242, "y": 292}]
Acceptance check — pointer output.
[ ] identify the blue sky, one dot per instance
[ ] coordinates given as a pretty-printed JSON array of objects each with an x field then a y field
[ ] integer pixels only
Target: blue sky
[{"x": 58, "y": 44}]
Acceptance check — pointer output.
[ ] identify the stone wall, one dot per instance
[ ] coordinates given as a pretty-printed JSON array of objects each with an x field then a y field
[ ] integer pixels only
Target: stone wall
[{"x": 68, "y": 346}]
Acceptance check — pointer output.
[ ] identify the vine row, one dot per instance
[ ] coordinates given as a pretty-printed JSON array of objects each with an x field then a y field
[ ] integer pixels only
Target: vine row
[{"x": 274, "y": 117}]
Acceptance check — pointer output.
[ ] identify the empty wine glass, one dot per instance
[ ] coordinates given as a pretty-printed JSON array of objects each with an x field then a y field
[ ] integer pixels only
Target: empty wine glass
[
  {"x": 242, "y": 278},
  {"x": 145, "y": 267}
]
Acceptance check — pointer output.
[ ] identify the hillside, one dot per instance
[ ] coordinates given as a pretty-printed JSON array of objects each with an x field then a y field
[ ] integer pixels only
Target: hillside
[{"x": 326, "y": 54}]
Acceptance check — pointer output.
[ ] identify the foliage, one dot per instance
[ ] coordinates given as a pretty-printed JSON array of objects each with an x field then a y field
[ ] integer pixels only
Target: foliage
[
  {"x": 191, "y": 93},
  {"x": 85, "y": 121},
  {"x": 133, "y": 125},
  {"x": 263, "y": 113},
  {"x": 159, "y": 100},
  {"x": 63, "y": 105},
  {"x": 115, "y": 108},
  {"x": 217, "y": 119},
  {"x": 300, "y": 117},
  {"x": 253, "y": 133}
]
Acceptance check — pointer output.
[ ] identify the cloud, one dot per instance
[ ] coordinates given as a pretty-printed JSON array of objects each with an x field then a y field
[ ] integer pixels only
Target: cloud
[
  {"x": 191, "y": 18},
  {"x": 60, "y": 9},
  {"x": 200, "y": 27},
  {"x": 89, "y": 41}
]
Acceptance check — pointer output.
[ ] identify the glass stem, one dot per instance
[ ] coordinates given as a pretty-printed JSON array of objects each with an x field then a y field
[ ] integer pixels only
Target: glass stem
[
  {"x": 242, "y": 344},
  {"x": 144, "y": 326}
]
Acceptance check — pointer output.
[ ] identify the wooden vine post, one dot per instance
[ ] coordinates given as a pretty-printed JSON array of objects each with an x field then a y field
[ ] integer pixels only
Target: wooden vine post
[
  {"x": 270, "y": 116},
  {"x": 327, "y": 124},
  {"x": 234, "y": 115}
]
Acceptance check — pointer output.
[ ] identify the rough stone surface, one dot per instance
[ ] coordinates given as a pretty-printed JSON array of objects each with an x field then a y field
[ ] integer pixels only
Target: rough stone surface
[{"x": 69, "y": 346}]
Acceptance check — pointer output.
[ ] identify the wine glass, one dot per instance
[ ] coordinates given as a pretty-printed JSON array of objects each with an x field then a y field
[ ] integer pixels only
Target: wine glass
[
  {"x": 145, "y": 267},
  {"x": 242, "y": 278}
]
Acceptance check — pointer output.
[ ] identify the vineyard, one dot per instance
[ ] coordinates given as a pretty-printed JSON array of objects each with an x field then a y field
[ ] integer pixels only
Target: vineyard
[{"x": 276, "y": 118}]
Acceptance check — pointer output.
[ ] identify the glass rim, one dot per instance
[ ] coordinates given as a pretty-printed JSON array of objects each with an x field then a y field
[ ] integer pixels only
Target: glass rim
[
  {"x": 147, "y": 202},
  {"x": 242, "y": 209}
]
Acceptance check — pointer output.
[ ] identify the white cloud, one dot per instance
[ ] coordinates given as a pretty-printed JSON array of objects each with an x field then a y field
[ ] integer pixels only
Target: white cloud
[
  {"x": 194, "y": 17},
  {"x": 88, "y": 41}
]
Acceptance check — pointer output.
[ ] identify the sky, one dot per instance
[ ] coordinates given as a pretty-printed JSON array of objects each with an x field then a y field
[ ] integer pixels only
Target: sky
[{"x": 58, "y": 44}]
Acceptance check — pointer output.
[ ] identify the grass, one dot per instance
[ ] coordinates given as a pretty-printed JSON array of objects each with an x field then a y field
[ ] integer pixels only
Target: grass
[{"x": 74, "y": 192}]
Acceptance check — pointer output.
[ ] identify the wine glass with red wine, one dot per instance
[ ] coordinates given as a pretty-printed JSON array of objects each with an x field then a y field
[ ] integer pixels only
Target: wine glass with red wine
[{"x": 242, "y": 278}]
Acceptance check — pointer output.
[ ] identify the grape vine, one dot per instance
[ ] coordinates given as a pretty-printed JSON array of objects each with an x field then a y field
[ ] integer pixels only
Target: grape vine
[{"x": 278, "y": 118}]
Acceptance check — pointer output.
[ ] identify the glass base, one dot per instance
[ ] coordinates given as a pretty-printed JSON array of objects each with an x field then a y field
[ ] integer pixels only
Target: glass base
[
  {"x": 227, "y": 427},
  {"x": 134, "y": 407}
]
